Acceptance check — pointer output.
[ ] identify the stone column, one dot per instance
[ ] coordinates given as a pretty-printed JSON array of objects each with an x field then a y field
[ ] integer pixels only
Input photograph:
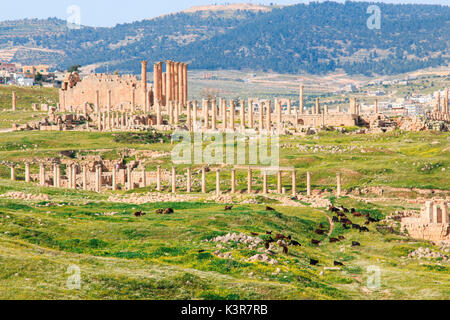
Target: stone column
[
  {"x": 435, "y": 213},
  {"x": 250, "y": 113},
  {"x": 279, "y": 116},
  {"x": 269, "y": 116},
  {"x": 156, "y": 80},
  {"x": 27, "y": 172},
  {"x": 376, "y": 106},
  {"x": 429, "y": 211},
  {"x": 97, "y": 102},
  {"x": 180, "y": 82},
  {"x": 164, "y": 90},
  {"x": 144, "y": 75},
  {"x": 13, "y": 173},
  {"x": 279, "y": 181},
  {"x": 171, "y": 115},
  {"x": 338, "y": 189},
  {"x": 218, "y": 182},
  {"x": 203, "y": 180},
  {"x": 189, "y": 116},
  {"x": 84, "y": 173},
  {"x": 438, "y": 102},
  {"x": 144, "y": 178},
  {"x": 69, "y": 175},
  {"x": 98, "y": 178},
  {"x": 249, "y": 180},
  {"x": 194, "y": 116},
  {"x": 158, "y": 178},
  {"x": 176, "y": 112},
  {"x": 233, "y": 180},
  {"x": 214, "y": 115},
  {"x": 224, "y": 114},
  {"x": 55, "y": 176},
  {"x": 146, "y": 101},
  {"x": 294, "y": 183},
  {"x": 317, "y": 110},
  {"x": 158, "y": 113},
  {"x": 301, "y": 101},
  {"x": 41, "y": 174},
  {"x": 74, "y": 176},
  {"x": 232, "y": 112},
  {"x": 168, "y": 81},
  {"x": 308, "y": 183},
  {"x": 261, "y": 116},
  {"x": 14, "y": 100},
  {"x": 133, "y": 100},
  {"x": 188, "y": 180},
  {"x": 185, "y": 76},
  {"x": 85, "y": 109},
  {"x": 242, "y": 115},
  {"x": 289, "y": 107},
  {"x": 129, "y": 178},
  {"x": 264, "y": 172},
  {"x": 58, "y": 174},
  {"x": 174, "y": 180},
  {"x": 108, "y": 110},
  {"x": 205, "y": 114},
  {"x": 444, "y": 210}
]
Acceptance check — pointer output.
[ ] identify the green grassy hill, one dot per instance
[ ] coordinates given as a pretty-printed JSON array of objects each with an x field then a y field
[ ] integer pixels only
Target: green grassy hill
[{"x": 158, "y": 257}]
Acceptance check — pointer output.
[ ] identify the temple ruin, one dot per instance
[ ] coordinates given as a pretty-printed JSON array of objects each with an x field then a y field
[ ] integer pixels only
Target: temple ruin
[{"x": 433, "y": 223}]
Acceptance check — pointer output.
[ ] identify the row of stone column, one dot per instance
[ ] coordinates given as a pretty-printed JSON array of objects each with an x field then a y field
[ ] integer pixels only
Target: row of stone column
[
  {"x": 114, "y": 120},
  {"x": 71, "y": 173},
  {"x": 444, "y": 108},
  {"x": 171, "y": 85}
]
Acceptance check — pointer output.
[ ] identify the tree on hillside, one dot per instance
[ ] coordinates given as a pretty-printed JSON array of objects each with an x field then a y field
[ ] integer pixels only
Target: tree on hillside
[{"x": 74, "y": 68}]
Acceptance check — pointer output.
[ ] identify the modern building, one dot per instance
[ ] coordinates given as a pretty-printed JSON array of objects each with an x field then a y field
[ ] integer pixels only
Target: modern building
[
  {"x": 33, "y": 70},
  {"x": 414, "y": 109}
]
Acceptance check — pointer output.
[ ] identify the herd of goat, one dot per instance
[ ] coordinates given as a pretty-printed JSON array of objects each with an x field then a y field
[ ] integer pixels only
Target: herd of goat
[{"x": 285, "y": 241}]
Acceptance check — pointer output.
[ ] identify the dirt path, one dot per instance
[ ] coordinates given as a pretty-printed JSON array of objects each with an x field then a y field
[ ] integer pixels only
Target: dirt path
[
  {"x": 331, "y": 227},
  {"x": 329, "y": 232}
]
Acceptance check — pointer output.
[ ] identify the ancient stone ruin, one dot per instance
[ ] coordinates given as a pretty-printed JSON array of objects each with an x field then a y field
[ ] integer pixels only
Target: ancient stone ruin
[{"x": 433, "y": 223}]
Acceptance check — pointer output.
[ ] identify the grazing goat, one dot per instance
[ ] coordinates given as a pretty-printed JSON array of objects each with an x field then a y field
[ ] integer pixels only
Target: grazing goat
[
  {"x": 337, "y": 263},
  {"x": 313, "y": 262},
  {"x": 270, "y": 209},
  {"x": 356, "y": 244},
  {"x": 228, "y": 208},
  {"x": 313, "y": 241},
  {"x": 334, "y": 240},
  {"x": 139, "y": 214}
]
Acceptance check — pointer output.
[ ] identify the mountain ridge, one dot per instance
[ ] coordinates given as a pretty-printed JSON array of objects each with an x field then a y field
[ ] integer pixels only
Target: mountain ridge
[{"x": 287, "y": 39}]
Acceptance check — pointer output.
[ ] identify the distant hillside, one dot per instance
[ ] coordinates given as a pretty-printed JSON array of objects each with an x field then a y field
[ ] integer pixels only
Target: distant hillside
[{"x": 315, "y": 38}]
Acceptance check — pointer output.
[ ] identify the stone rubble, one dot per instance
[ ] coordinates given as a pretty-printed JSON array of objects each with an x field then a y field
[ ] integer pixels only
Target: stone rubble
[{"x": 25, "y": 196}]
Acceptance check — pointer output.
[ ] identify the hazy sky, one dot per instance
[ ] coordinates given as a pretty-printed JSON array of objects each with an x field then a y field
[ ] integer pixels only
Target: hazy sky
[{"x": 111, "y": 12}]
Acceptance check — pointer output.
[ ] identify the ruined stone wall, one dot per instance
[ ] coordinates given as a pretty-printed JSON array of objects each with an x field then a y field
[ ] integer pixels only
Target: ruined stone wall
[
  {"x": 121, "y": 87},
  {"x": 329, "y": 119}
]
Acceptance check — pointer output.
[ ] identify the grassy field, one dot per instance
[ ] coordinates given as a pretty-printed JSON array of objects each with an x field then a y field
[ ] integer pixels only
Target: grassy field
[
  {"x": 121, "y": 256},
  {"x": 157, "y": 256},
  {"x": 396, "y": 159},
  {"x": 25, "y": 97}
]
